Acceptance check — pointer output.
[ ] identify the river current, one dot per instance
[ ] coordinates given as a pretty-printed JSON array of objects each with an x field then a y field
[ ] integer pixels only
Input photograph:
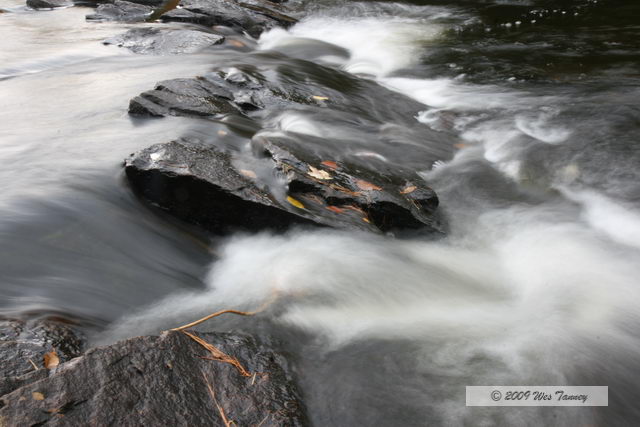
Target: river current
[{"x": 536, "y": 283}]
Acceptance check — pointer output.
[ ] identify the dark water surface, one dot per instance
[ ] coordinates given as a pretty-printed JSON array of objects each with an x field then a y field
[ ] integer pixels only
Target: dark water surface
[{"x": 531, "y": 128}]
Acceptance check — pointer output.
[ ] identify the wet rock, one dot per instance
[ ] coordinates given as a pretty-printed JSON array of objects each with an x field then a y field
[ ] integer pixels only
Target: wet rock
[
  {"x": 198, "y": 183},
  {"x": 211, "y": 95},
  {"x": 48, "y": 4},
  {"x": 121, "y": 10},
  {"x": 366, "y": 180},
  {"x": 184, "y": 97},
  {"x": 165, "y": 41},
  {"x": 23, "y": 345},
  {"x": 349, "y": 195},
  {"x": 206, "y": 185},
  {"x": 158, "y": 380},
  {"x": 251, "y": 16}
]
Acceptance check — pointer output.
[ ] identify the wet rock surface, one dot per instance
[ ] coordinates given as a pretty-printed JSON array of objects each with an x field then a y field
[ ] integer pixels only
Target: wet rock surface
[
  {"x": 165, "y": 41},
  {"x": 158, "y": 380},
  {"x": 198, "y": 183},
  {"x": 251, "y": 16},
  {"x": 121, "y": 10},
  {"x": 24, "y": 344},
  {"x": 217, "y": 189},
  {"x": 353, "y": 183}
]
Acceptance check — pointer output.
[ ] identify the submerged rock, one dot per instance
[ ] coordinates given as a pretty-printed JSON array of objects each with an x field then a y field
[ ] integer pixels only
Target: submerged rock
[
  {"x": 158, "y": 380},
  {"x": 165, "y": 41},
  {"x": 48, "y": 4}
]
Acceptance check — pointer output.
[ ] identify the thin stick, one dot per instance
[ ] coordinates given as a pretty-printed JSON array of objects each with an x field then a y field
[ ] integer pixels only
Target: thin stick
[
  {"x": 211, "y": 316},
  {"x": 227, "y": 422},
  {"x": 239, "y": 313},
  {"x": 34, "y": 365}
]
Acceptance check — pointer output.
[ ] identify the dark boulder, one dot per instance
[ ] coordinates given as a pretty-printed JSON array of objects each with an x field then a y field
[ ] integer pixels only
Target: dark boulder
[
  {"x": 198, "y": 183},
  {"x": 170, "y": 379},
  {"x": 121, "y": 10},
  {"x": 249, "y": 16},
  {"x": 365, "y": 180},
  {"x": 24, "y": 344},
  {"x": 48, "y": 4},
  {"x": 284, "y": 185},
  {"x": 165, "y": 41}
]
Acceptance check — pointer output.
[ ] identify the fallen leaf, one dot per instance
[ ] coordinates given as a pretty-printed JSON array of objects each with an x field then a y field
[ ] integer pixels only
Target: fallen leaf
[
  {"x": 295, "y": 202},
  {"x": 318, "y": 173},
  {"x": 222, "y": 132},
  {"x": 460, "y": 146},
  {"x": 367, "y": 186},
  {"x": 320, "y": 98},
  {"x": 248, "y": 173},
  {"x": 51, "y": 360},
  {"x": 355, "y": 208},
  {"x": 366, "y": 220},
  {"x": 409, "y": 189},
  {"x": 236, "y": 43},
  {"x": 330, "y": 164},
  {"x": 335, "y": 209},
  {"x": 37, "y": 395}
]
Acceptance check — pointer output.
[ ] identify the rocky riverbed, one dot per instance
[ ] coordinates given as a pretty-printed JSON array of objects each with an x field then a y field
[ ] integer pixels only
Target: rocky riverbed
[{"x": 259, "y": 181}]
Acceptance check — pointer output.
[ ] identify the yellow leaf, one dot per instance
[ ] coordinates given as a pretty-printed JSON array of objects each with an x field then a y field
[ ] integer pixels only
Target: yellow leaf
[
  {"x": 248, "y": 173},
  {"x": 367, "y": 186},
  {"x": 320, "y": 98},
  {"x": 51, "y": 360},
  {"x": 409, "y": 189},
  {"x": 37, "y": 395},
  {"x": 318, "y": 173},
  {"x": 295, "y": 202}
]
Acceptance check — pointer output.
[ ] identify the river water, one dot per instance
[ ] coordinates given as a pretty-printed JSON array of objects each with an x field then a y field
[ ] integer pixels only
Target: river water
[{"x": 536, "y": 282}]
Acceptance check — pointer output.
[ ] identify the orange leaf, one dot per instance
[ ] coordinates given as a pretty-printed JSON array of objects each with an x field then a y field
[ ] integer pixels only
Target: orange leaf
[
  {"x": 367, "y": 186},
  {"x": 460, "y": 146},
  {"x": 330, "y": 164},
  {"x": 37, "y": 395},
  {"x": 409, "y": 189},
  {"x": 51, "y": 360},
  {"x": 335, "y": 209}
]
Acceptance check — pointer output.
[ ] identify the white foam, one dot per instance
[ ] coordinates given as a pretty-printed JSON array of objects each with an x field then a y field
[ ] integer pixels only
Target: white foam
[{"x": 378, "y": 45}]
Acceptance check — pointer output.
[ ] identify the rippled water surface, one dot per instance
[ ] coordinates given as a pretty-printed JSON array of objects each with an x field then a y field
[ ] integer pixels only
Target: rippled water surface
[{"x": 530, "y": 126}]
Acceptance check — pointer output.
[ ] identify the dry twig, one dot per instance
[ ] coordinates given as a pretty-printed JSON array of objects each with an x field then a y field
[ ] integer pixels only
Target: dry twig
[
  {"x": 227, "y": 422},
  {"x": 219, "y": 355}
]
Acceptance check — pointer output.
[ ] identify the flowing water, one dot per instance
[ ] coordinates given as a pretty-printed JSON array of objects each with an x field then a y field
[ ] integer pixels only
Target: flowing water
[{"x": 536, "y": 282}]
